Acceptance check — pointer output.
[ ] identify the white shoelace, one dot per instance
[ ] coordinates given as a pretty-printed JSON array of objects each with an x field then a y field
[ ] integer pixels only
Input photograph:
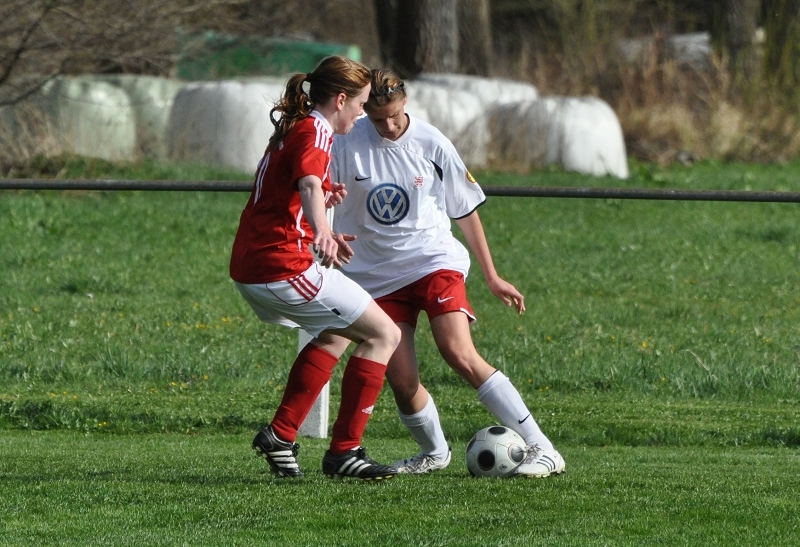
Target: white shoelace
[{"x": 533, "y": 452}]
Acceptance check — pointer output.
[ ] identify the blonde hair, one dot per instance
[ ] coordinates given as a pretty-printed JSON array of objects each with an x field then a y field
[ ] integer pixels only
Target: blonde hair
[
  {"x": 386, "y": 87},
  {"x": 333, "y": 75}
]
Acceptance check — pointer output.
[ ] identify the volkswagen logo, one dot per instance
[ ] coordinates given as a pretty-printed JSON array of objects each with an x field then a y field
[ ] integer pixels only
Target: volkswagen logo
[{"x": 387, "y": 203}]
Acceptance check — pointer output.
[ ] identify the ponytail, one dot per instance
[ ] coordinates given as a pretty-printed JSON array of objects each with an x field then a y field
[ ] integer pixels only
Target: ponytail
[
  {"x": 332, "y": 76},
  {"x": 291, "y": 108}
]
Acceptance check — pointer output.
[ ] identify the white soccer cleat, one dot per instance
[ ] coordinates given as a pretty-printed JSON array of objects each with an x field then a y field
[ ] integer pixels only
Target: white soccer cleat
[
  {"x": 422, "y": 463},
  {"x": 540, "y": 463}
]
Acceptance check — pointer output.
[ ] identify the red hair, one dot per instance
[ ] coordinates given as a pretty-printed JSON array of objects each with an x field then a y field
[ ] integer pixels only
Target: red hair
[{"x": 333, "y": 75}]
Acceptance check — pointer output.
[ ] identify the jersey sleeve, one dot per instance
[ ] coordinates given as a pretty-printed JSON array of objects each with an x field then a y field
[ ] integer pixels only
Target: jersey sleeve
[
  {"x": 311, "y": 156},
  {"x": 462, "y": 192}
]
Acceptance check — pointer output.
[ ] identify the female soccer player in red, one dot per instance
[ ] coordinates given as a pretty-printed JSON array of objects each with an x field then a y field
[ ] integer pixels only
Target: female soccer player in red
[
  {"x": 280, "y": 230},
  {"x": 405, "y": 182}
]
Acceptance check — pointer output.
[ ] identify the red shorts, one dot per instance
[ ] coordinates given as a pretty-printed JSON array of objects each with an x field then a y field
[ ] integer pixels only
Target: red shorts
[{"x": 441, "y": 292}]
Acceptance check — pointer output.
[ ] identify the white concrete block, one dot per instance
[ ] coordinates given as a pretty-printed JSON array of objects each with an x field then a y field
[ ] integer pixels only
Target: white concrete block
[
  {"x": 693, "y": 48},
  {"x": 90, "y": 118},
  {"x": 151, "y": 100},
  {"x": 580, "y": 134},
  {"x": 491, "y": 90},
  {"x": 223, "y": 123},
  {"x": 489, "y": 121},
  {"x": 457, "y": 105},
  {"x": 119, "y": 117}
]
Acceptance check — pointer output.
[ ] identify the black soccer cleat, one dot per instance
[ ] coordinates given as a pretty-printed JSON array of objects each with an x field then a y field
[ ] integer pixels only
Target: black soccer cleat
[
  {"x": 280, "y": 455},
  {"x": 355, "y": 463}
]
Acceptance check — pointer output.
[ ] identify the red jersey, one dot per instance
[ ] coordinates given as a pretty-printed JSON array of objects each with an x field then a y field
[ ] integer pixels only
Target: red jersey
[{"x": 273, "y": 239}]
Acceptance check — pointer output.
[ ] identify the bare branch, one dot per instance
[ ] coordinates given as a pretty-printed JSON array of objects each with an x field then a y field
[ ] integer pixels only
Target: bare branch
[
  {"x": 15, "y": 55},
  {"x": 28, "y": 91}
]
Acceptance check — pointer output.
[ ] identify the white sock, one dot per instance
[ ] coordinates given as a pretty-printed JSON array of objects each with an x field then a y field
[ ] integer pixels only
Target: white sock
[
  {"x": 426, "y": 429},
  {"x": 505, "y": 403}
]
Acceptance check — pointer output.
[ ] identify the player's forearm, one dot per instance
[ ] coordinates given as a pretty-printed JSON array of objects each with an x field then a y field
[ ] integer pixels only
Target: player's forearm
[
  {"x": 473, "y": 232},
  {"x": 313, "y": 200}
]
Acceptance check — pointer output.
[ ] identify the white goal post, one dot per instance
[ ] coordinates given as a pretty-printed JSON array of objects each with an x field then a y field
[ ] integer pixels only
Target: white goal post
[{"x": 316, "y": 423}]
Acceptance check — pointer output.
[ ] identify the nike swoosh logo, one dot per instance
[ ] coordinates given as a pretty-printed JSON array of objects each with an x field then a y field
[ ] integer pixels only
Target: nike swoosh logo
[
  {"x": 440, "y": 300},
  {"x": 362, "y": 178},
  {"x": 525, "y": 418}
]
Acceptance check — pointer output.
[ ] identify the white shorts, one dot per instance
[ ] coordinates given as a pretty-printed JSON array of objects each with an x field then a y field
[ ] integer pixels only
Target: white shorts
[{"x": 316, "y": 300}]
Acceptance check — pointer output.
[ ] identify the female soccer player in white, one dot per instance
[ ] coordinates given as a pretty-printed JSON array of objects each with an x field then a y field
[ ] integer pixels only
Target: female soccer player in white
[
  {"x": 405, "y": 182},
  {"x": 274, "y": 269}
]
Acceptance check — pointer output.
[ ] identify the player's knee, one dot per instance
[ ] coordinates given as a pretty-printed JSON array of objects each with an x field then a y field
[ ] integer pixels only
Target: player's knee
[
  {"x": 391, "y": 334},
  {"x": 459, "y": 359},
  {"x": 469, "y": 365},
  {"x": 384, "y": 339},
  {"x": 403, "y": 388}
]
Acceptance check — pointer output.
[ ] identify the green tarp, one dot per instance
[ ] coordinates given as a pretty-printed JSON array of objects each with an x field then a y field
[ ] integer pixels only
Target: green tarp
[{"x": 213, "y": 56}]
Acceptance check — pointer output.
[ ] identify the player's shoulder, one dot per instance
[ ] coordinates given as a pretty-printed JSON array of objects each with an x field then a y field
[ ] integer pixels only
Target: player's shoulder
[
  {"x": 306, "y": 124},
  {"x": 424, "y": 129},
  {"x": 358, "y": 134},
  {"x": 304, "y": 129},
  {"x": 309, "y": 133},
  {"x": 360, "y": 129},
  {"x": 430, "y": 138}
]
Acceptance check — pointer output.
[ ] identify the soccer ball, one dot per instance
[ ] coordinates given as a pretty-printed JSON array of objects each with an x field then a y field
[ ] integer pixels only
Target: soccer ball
[{"x": 495, "y": 451}]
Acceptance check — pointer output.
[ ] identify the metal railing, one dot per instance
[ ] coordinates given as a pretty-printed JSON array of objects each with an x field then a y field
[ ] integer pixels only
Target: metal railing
[{"x": 506, "y": 191}]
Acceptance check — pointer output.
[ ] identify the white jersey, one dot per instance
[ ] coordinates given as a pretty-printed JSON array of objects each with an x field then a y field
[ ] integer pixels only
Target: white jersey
[{"x": 401, "y": 196}]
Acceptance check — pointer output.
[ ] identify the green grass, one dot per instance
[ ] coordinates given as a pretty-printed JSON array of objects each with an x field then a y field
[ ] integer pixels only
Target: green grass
[
  {"x": 66, "y": 489},
  {"x": 659, "y": 352}
]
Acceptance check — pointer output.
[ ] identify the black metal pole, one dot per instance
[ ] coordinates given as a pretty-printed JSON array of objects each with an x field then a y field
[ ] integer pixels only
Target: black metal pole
[
  {"x": 643, "y": 193},
  {"x": 503, "y": 191},
  {"x": 114, "y": 185}
]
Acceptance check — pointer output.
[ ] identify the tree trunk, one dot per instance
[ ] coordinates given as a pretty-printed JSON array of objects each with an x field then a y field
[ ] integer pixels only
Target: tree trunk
[
  {"x": 385, "y": 17},
  {"x": 407, "y": 37},
  {"x": 782, "y": 46},
  {"x": 742, "y": 20},
  {"x": 733, "y": 30},
  {"x": 418, "y": 35},
  {"x": 438, "y": 36},
  {"x": 475, "y": 37}
]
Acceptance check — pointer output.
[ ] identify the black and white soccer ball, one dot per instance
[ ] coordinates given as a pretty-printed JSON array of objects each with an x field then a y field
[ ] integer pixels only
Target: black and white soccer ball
[{"x": 495, "y": 451}]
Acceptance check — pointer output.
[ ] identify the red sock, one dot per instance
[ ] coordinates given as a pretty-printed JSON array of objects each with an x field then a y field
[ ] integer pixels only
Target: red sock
[
  {"x": 310, "y": 372},
  {"x": 361, "y": 385}
]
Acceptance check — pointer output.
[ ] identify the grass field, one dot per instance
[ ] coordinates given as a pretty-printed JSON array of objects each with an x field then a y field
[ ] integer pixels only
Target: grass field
[
  {"x": 660, "y": 351},
  {"x": 61, "y": 488}
]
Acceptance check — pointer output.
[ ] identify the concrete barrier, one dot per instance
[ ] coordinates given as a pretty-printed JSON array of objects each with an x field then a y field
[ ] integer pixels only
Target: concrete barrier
[
  {"x": 91, "y": 117},
  {"x": 492, "y": 90},
  {"x": 222, "y": 123},
  {"x": 228, "y": 122},
  {"x": 693, "y": 48},
  {"x": 150, "y": 101},
  {"x": 111, "y": 117},
  {"x": 491, "y": 122},
  {"x": 457, "y": 105},
  {"x": 580, "y": 134}
]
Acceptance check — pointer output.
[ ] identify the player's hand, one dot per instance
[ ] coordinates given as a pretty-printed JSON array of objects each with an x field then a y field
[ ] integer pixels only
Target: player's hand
[
  {"x": 345, "y": 251},
  {"x": 336, "y": 195},
  {"x": 325, "y": 247},
  {"x": 506, "y": 292}
]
